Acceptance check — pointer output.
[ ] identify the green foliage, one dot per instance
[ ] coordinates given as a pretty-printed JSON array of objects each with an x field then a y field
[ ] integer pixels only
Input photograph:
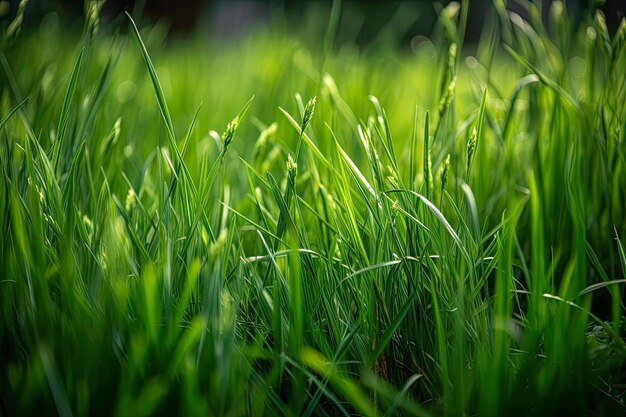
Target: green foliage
[{"x": 435, "y": 232}]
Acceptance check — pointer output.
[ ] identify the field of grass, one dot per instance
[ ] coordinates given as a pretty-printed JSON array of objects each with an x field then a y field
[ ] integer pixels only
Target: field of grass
[{"x": 291, "y": 224}]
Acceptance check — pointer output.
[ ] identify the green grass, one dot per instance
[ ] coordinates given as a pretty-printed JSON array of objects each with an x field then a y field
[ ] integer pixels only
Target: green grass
[{"x": 439, "y": 233}]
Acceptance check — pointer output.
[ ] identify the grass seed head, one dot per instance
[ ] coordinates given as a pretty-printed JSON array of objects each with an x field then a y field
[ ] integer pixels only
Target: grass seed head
[
  {"x": 117, "y": 129},
  {"x": 557, "y": 11},
  {"x": 447, "y": 98},
  {"x": 309, "y": 110},
  {"x": 93, "y": 16},
  {"x": 604, "y": 41},
  {"x": 88, "y": 225},
  {"x": 49, "y": 219},
  {"x": 260, "y": 147},
  {"x": 452, "y": 55},
  {"x": 392, "y": 177},
  {"x": 40, "y": 194},
  {"x": 16, "y": 25},
  {"x": 591, "y": 34},
  {"x": 444, "y": 172},
  {"x": 229, "y": 133},
  {"x": 216, "y": 248},
  {"x": 292, "y": 168},
  {"x": 131, "y": 200},
  {"x": 471, "y": 146},
  {"x": 620, "y": 38}
]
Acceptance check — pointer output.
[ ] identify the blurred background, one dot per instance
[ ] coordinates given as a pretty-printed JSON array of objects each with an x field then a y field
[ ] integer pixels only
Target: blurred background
[{"x": 230, "y": 19}]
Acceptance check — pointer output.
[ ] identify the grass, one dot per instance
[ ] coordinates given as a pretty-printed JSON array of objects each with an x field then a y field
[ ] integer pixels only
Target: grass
[{"x": 376, "y": 231}]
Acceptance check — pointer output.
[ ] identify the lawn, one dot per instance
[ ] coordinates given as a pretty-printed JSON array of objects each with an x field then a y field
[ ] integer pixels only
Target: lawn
[{"x": 293, "y": 222}]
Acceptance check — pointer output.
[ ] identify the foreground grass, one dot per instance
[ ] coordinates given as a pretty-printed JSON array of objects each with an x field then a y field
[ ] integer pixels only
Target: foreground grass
[{"x": 438, "y": 233}]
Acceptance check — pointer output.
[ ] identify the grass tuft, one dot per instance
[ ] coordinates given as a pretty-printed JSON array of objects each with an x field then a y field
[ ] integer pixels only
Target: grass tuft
[{"x": 435, "y": 232}]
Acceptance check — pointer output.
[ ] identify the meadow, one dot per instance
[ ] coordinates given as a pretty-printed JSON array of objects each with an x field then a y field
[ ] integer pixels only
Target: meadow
[{"x": 293, "y": 223}]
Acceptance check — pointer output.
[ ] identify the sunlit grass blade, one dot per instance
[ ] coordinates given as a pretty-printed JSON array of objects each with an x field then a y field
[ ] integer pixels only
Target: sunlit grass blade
[
  {"x": 6, "y": 118},
  {"x": 65, "y": 111},
  {"x": 158, "y": 90},
  {"x": 348, "y": 389}
]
